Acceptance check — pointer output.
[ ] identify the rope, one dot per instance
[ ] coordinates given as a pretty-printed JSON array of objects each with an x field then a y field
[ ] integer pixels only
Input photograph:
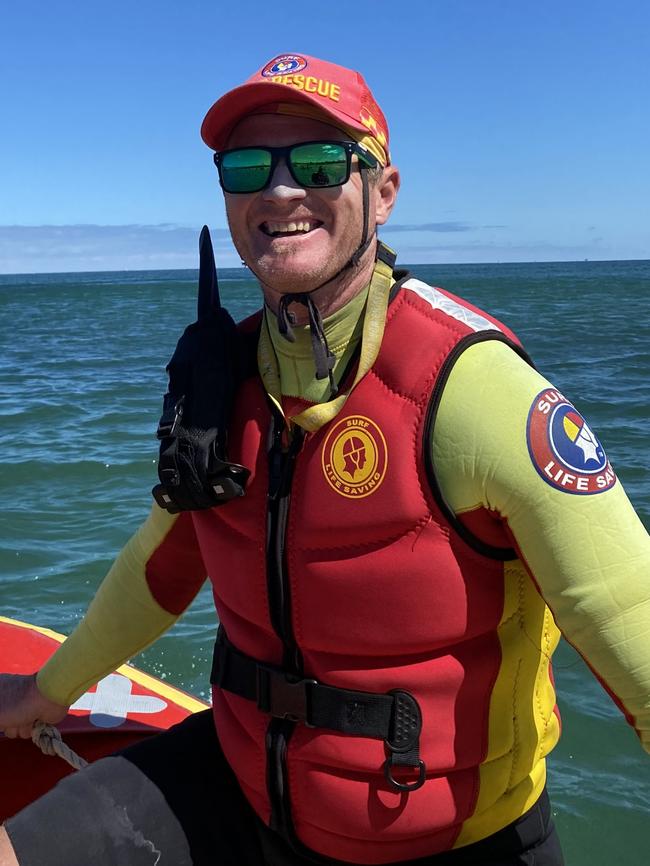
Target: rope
[{"x": 48, "y": 739}]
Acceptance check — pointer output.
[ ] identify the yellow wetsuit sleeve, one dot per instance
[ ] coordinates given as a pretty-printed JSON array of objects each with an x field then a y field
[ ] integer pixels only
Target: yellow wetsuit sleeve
[
  {"x": 588, "y": 554},
  {"x": 154, "y": 578}
]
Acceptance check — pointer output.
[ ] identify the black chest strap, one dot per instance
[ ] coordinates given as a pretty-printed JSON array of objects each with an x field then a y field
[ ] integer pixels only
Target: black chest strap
[{"x": 394, "y": 718}]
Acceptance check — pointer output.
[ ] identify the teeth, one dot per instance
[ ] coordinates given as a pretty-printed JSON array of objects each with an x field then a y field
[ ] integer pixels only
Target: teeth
[{"x": 274, "y": 228}]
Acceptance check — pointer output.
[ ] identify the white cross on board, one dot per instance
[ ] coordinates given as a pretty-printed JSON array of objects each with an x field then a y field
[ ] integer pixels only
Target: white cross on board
[{"x": 110, "y": 704}]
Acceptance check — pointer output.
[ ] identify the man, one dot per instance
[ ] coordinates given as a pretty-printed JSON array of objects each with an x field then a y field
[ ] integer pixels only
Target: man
[{"x": 420, "y": 499}]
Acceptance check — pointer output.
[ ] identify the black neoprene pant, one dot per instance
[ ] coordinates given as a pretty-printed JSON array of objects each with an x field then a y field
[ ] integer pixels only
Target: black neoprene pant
[{"x": 186, "y": 763}]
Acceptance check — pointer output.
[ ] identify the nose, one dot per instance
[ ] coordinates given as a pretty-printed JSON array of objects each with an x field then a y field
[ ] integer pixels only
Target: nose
[{"x": 282, "y": 187}]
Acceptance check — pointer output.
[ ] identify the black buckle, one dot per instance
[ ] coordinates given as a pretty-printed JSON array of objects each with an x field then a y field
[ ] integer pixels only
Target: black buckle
[
  {"x": 406, "y": 723},
  {"x": 170, "y": 418},
  {"x": 226, "y": 480},
  {"x": 403, "y": 743},
  {"x": 282, "y": 696},
  {"x": 386, "y": 255}
]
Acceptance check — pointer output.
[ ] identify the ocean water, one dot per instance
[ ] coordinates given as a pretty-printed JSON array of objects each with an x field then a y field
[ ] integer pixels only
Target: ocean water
[{"x": 82, "y": 376}]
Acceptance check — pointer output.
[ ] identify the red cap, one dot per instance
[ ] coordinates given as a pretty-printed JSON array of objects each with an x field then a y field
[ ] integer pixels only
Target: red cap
[{"x": 339, "y": 92}]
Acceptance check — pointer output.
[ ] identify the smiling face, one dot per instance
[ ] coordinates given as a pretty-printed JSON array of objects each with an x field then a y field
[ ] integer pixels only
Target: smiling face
[{"x": 295, "y": 239}]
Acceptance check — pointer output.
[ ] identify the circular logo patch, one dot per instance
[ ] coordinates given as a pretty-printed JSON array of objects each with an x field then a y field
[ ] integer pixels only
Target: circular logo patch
[
  {"x": 355, "y": 457},
  {"x": 286, "y": 64},
  {"x": 564, "y": 449}
]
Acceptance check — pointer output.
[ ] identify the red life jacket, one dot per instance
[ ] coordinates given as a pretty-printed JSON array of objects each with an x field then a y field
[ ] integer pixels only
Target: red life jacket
[{"x": 374, "y": 586}]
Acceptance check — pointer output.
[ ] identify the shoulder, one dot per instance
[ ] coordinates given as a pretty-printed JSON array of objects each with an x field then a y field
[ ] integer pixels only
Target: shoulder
[
  {"x": 521, "y": 431},
  {"x": 479, "y": 423},
  {"x": 487, "y": 397},
  {"x": 442, "y": 304}
]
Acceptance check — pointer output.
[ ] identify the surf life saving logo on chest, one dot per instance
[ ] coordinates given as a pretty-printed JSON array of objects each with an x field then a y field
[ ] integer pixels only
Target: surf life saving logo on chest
[
  {"x": 564, "y": 449},
  {"x": 355, "y": 457}
]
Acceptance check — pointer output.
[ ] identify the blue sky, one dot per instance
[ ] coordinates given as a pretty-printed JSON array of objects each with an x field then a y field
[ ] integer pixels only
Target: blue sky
[{"x": 522, "y": 129}]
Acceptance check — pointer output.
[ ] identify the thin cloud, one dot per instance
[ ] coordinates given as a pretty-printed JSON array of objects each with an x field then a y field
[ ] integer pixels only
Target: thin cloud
[
  {"x": 48, "y": 248},
  {"x": 428, "y": 227},
  {"x": 533, "y": 251},
  {"x": 450, "y": 227}
]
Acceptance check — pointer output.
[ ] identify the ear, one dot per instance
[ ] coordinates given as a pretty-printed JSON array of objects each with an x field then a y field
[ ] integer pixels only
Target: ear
[{"x": 386, "y": 191}]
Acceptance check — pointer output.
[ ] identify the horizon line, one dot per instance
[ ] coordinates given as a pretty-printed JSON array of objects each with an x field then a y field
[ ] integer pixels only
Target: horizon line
[{"x": 244, "y": 267}]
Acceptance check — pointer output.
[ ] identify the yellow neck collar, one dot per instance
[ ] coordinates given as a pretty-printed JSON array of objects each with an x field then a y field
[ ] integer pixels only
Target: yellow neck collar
[{"x": 373, "y": 302}]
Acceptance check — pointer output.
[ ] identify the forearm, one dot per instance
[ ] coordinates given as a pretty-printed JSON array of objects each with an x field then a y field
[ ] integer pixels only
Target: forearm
[
  {"x": 592, "y": 566},
  {"x": 152, "y": 581}
]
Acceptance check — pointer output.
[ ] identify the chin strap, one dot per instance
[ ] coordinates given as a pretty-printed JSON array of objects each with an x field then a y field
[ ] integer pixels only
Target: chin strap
[
  {"x": 323, "y": 356},
  {"x": 365, "y": 240},
  {"x": 314, "y": 417}
]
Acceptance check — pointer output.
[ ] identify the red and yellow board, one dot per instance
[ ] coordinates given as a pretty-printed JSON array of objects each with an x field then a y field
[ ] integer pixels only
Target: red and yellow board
[{"x": 121, "y": 709}]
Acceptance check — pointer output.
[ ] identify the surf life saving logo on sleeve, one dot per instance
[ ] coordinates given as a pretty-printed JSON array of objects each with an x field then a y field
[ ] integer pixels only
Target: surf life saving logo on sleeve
[
  {"x": 564, "y": 449},
  {"x": 355, "y": 457}
]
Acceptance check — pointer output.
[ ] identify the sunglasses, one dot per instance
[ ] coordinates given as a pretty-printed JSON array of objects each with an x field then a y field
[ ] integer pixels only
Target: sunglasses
[{"x": 312, "y": 164}]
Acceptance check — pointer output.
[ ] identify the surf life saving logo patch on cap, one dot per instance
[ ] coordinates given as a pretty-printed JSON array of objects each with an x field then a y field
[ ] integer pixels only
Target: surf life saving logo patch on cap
[
  {"x": 287, "y": 70},
  {"x": 355, "y": 457},
  {"x": 564, "y": 449},
  {"x": 285, "y": 64}
]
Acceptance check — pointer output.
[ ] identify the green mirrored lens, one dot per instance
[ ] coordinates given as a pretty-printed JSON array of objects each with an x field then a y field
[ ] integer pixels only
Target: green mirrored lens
[
  {"x": 245, "y": 170},
  {"x": 319, "y": 164}
]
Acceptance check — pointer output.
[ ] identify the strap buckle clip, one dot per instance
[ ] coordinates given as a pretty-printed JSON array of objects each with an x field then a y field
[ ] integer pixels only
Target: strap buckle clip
[
  {"x": 283, "y": 696},
  {"x": 171, "y": 416},
  {"x": 403, "y": 743}
]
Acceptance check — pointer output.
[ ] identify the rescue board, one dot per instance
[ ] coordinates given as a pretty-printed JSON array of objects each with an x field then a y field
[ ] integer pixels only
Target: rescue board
[{"x": 123, "y": 708}]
